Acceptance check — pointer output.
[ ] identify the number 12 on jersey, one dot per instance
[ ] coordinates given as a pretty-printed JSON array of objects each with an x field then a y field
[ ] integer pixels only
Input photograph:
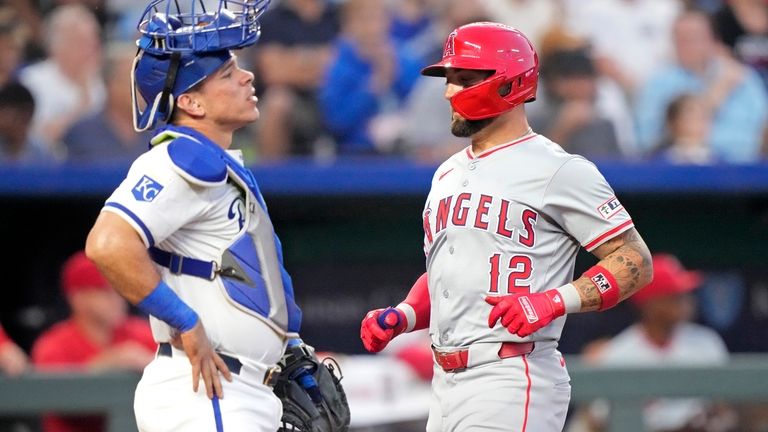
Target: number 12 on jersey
[{"x": 517, "y": 272}]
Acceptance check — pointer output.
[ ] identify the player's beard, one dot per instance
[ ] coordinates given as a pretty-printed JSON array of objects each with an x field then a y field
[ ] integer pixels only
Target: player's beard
[{"x": 464, "y": 128}]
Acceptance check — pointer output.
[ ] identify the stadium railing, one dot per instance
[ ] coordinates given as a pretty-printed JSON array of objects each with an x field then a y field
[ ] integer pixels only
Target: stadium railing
[{"x": 741, "y": 380}]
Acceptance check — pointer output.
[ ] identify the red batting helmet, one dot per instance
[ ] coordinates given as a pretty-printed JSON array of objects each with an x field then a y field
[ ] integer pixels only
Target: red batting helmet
[{"x": 493, "y": 47}]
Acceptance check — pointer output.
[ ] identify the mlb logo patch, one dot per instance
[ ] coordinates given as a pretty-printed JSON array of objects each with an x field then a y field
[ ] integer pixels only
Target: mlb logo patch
[
  {"x": 530, "y": 312},
  {"x": 609, "y": 208},
  {"x": 146, "y": 189},
  {"x": 601, "y": 282}
]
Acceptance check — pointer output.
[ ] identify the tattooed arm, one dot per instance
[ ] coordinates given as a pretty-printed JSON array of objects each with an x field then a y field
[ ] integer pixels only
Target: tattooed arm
[{"x": 627, "y": 257}]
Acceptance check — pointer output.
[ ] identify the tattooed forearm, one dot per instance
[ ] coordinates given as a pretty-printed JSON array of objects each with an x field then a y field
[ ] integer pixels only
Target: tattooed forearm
[{"x": 628, "y": 259}]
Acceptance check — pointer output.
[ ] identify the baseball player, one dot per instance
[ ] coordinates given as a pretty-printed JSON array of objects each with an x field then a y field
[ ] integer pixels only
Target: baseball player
[
  {"x": 186, "y": 237},
  {"x": 503, "y": 223}
]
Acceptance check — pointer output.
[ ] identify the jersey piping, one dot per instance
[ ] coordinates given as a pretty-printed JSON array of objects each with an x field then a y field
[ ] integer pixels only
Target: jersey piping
[
  {"x": 527, "y": 392},
  {"x": 604, "y": 237},
  {"x": 492, "y": 150},
  {"x": 131, "y": 218}
]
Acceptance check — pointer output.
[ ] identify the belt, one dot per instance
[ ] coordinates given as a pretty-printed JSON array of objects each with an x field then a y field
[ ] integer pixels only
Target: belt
[
  {"x": 179, "y": 264},
  {"x": 235, "y": 366},
  {"x": 456, "y": 361}
]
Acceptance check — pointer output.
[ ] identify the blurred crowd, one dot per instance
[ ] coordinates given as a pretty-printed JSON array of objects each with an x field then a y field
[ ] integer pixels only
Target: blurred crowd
[
  {"x": 97, "y": 335},
  {"x": 680, "y": 81}
]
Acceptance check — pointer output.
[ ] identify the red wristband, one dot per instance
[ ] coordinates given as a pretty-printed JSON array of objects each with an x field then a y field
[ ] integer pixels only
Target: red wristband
[{"x": 606, "y": 285}]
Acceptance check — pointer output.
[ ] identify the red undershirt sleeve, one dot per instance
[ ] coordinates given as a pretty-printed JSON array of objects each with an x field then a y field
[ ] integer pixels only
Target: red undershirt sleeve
[{"x": 416, "y": 305}]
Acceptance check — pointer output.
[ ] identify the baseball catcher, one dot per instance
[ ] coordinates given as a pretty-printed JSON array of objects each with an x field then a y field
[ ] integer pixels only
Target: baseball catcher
[
  {"x": 312, "y": 396},
  {"x": 187, "y": 238}
]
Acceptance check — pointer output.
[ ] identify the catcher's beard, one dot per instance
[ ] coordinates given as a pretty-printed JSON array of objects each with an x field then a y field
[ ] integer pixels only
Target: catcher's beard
[{"x": 464, "y": 128}]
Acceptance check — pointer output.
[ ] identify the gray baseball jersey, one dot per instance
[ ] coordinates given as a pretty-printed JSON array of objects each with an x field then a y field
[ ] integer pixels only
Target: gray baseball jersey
[{"x": 510, "y": 219}]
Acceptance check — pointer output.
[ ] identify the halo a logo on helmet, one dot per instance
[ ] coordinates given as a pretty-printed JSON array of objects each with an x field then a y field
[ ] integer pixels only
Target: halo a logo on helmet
[{"x": 449, "y": 50}]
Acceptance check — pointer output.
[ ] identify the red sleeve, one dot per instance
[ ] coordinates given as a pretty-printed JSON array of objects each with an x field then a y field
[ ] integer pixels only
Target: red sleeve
[
  {"x": 141, "y": 332},
  {"x": 61, "y": 347},
  {"x": 47, "y": 354},
  {"x": 418, "y": 300},
  {"x": 4, "y": 339}
]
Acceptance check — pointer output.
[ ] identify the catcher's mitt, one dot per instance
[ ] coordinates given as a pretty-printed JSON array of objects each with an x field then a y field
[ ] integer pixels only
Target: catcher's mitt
[{"x": 311, "y": 393}]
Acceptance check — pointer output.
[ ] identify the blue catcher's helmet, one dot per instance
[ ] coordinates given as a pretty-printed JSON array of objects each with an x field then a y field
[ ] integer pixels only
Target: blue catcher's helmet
[{"x": 183, "y": 42}]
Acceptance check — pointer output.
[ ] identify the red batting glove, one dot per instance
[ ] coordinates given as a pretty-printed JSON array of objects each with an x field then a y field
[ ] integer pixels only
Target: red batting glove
[
  {"x": 375, "y": 334},
  {"x": 524, "y": 314}
]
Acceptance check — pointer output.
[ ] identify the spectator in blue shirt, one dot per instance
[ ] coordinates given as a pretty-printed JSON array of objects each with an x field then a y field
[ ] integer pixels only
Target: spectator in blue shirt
[
  {"x": 108, "y": 136},
  {"x": 733, "y": 93},
  {"x": 412, "y": 26},
  {"x": 685, "y": 141},
  {"x": 369, "y": 78},
  {"x": 294, "y": 50}
]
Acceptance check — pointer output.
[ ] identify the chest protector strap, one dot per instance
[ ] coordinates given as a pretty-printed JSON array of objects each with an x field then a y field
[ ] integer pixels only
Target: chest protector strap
[
  {"x": 179, "y": 264},
  {"x": 251, "y": 267}
]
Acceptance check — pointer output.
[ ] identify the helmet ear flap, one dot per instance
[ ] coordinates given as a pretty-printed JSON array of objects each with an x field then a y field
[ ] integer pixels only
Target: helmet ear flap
[
  {"x": 495, "y": 95},
  {"x": 506, "y": 89}
]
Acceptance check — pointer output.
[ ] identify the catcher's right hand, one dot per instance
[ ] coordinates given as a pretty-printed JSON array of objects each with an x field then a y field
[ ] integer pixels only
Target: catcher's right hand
[
  {"x": 524, "y": 314},
  {"x": 381, "y": 326}
]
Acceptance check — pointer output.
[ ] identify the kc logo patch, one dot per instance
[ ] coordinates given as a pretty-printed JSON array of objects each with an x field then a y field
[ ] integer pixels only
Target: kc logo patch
[
  {"x": 609, "y": 208},
  {"x": 146, "y": 189},
  {"x": 601, "y": 282}
]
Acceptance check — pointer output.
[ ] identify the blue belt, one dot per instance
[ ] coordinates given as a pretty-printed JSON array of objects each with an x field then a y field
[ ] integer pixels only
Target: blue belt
[{"x": 179, "y": 264}]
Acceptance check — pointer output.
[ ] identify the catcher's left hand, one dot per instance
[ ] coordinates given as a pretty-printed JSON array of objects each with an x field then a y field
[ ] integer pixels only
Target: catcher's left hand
[{"x": 311, "y": 393}]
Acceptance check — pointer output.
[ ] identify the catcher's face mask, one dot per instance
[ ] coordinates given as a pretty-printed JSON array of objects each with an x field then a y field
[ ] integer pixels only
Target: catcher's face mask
[
  {"x": 182, "y": 43},
  {"x": 187, "y": 26}
]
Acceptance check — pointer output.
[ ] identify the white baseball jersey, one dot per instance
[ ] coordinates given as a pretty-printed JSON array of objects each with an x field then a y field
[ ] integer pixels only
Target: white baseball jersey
[
  {"x": 510, "y": 219},
  {"x": 211, "y": 220},
  {"x": 194, "y": 221}
]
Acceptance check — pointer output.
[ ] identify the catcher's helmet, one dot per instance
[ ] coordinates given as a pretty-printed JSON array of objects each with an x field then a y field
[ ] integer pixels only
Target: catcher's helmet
[
  {"x": 183, "y": 42},
  {"x": 493, "y": 47}
]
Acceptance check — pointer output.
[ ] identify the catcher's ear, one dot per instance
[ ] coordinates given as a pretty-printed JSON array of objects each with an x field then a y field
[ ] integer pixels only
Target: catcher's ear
[{"x": 190, "y": 104}]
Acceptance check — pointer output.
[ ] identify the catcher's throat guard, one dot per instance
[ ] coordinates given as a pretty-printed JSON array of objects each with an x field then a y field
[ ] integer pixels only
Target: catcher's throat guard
[{"x": 311, "y": 392}]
